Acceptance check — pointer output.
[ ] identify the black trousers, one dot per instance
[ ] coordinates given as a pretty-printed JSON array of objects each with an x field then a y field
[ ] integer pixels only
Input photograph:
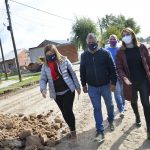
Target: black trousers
[
  {"x": 144, "y": 89},
  {"x": 65, "y": 103}
]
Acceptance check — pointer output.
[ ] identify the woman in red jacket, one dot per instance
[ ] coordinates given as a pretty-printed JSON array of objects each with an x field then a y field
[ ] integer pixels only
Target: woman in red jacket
[{"x": 133, "y": 67}]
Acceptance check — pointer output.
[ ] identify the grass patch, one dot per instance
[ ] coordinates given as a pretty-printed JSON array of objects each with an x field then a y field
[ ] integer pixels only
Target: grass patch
[
  {"x": 23, "y": 76},
  {"x": 31, "y": 80}
]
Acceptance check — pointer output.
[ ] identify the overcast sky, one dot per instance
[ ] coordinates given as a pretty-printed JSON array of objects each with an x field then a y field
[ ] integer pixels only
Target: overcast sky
[{"x": 31, "y": 27}]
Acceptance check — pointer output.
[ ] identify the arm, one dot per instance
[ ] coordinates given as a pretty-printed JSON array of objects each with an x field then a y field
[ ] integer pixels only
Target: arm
[
  {"x": 112, "y": 69},
  {"x": 43, "y": 80},
  {"x": 120, "y": 68},
  {"x": 83, "y": 74},
  {"x": 147, "y": 55},
  {"x": 73, "y": 74}
]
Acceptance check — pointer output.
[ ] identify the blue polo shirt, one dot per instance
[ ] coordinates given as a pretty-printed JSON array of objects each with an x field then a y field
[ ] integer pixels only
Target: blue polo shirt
[{"x": 113, "y": 51}]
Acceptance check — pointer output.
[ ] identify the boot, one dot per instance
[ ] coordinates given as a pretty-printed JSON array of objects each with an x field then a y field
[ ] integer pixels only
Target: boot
[{"x": 73, "y": 135}]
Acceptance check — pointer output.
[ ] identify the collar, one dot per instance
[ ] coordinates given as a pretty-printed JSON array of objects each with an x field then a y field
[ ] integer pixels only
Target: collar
[{"x": 93, "y": 51}]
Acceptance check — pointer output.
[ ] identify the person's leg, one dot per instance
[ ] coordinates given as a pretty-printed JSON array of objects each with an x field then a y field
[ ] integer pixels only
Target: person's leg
[
  {"x": 122, "y": 95},
  {"x": 59, "y": 101},
  {"x": 118, "y": 97},
  {"x": 68, "y": 109},
  {"x": 134, "y": 104},
  {"x": 95, "y": 97},
  {"x": 144, "y": 95},
  {"x": 65, "y": 103},
  {"x": 106, "y": 93}
]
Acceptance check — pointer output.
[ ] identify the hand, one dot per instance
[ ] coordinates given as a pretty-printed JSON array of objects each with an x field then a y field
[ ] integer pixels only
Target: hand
[
  {"x": 127, "y": 81},
  {"x": 44, "y": 93},
  {"x": 78, "y": 91},
  {"x": 85, "y": 89},
  {"x": 112, "y": 88}
]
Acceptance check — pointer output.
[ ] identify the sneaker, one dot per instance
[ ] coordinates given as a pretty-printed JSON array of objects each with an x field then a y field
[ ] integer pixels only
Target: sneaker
[
  {"x": 99, "y": 137},
  {"x": 148, "y": 135},
  {"x": 138, "y": 121},
  {"x": 111, "y": 125},
  {"x": 122, "y": 115}
]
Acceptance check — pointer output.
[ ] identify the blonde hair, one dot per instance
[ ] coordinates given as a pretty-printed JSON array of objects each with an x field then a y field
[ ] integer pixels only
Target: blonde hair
[
  {"x": 50, "y": 47},
  {"x": 114, "y": 36}
]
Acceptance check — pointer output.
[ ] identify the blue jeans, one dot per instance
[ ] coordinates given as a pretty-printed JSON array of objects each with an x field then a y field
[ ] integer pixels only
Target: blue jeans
[
  {"x": 118, "y": 94},
  {"x": 95, "y": 94}
]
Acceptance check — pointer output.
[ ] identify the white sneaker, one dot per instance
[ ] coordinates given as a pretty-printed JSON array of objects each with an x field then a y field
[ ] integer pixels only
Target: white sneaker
[{"x": 99, "y": 138}]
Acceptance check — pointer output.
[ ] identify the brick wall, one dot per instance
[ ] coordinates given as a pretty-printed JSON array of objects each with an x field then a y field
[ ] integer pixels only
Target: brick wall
[{"x": 23, "y": 58}]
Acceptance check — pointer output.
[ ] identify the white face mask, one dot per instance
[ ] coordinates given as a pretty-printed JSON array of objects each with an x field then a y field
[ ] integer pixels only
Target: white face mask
[{"x": 127, "y": 39}]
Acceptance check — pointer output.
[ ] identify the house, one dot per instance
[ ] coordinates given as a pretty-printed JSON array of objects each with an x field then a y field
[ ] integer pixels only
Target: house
[
  {"x": 64, "y": 47},
  {"x": 10, "y": 60}
]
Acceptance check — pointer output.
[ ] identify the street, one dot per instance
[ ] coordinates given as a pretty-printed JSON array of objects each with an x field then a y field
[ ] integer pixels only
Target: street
[{"x": 125, "y": 137}]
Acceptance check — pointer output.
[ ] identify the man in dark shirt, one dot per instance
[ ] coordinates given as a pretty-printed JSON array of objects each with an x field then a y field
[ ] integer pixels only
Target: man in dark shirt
[{"x": 98, "y": 78}]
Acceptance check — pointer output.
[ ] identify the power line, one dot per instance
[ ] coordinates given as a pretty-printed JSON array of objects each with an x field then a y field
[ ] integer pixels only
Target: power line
[
  {"x": 27, "y": 19},
  {"x": 42, "y": 10}
]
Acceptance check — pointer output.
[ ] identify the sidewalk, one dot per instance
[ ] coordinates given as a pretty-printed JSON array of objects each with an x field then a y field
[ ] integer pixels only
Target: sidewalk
[{"x": 7, "y": 83}]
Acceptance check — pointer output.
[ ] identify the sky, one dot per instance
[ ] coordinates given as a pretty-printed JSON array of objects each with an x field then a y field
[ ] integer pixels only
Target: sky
[{"x": 31, "y": 27}]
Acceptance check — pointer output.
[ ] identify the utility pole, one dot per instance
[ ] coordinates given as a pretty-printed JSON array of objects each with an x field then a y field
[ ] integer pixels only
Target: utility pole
[
  {"x": 6, "y": 77},
  {"x": 13, "y": 40}
]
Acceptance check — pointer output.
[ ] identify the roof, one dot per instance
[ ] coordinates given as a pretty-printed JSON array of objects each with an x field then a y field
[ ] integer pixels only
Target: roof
[
  {"x": 45, "y": 42},
  {"x": 11, "y": 55},
  {"x": 61, "y": 41},
  {"x": 55, "y": 42}
]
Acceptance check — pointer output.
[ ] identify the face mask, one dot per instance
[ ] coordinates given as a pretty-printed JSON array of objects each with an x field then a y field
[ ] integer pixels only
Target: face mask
[
  {"x": 93, "y": 46},
  {"x": 127, "y": 39},
  {"x": 51, "y": 57},
  {"x": 113, "y": 43}
]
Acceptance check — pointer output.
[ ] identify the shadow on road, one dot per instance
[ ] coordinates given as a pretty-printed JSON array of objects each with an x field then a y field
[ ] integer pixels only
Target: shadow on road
[
  {"x": 145, "y": 145},
  {"x": 120, "y": 140},
  {"x": 85, "y": 141}
]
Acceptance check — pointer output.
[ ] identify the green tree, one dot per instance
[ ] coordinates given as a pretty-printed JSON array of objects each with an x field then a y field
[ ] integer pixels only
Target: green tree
[
  {"x": 80, "y": 30},
  {"x": 112, "y": 30},
  {"x": 148, "y": 39},
  {"x": 141, "y": 39},
  {"x": 132, "y": 24},
  {"x": 111, "y": 23}
]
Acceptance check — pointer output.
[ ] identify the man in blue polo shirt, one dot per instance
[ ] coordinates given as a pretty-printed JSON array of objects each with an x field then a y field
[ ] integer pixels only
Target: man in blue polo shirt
[{"x": 118, "y": 94}]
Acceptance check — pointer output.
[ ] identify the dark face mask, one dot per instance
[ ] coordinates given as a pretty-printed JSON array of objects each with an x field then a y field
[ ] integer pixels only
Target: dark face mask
[
  {"x": 93, "y": 46},
  {"x": 51, "y": 57}
]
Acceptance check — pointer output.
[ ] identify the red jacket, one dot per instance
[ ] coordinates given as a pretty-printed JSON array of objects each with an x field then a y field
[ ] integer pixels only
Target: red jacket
[{"x": 123, "y": 70}]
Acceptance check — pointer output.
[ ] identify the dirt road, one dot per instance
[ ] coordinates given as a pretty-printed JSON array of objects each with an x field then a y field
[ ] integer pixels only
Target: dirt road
[{"x": 125, "y": 137}]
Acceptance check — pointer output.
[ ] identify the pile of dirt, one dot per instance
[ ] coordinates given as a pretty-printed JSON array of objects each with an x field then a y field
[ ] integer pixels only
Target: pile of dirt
[{"x": 33, "y": 132}]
